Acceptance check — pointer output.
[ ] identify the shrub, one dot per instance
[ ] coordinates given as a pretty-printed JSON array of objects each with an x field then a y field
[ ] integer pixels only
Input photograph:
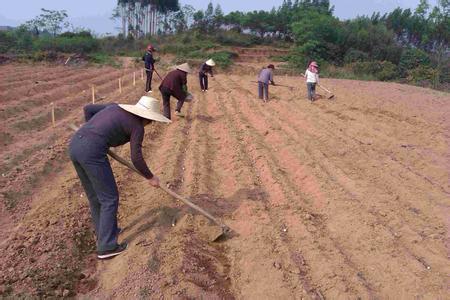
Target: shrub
[
  {"x": 354, "y": 55},
  {"x": 422, "y": 74},
  {"x": 76, "y": 44},
  {"x": 7, "y": 41},
  {"x": 224, "y": 59},
  {"x": 381, "y": 70},
  {"x": 411, "y": 59}
]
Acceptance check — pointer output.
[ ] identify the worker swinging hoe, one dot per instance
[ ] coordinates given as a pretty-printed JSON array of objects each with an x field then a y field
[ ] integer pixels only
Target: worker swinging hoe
[{"x": 108, "y": 126}]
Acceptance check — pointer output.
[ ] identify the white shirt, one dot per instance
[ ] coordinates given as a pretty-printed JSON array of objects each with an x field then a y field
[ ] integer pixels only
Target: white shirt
[{"x": 311, "y": 77}]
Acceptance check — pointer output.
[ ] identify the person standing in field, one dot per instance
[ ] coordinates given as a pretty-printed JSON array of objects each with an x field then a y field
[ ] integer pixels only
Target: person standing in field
[
  {"x": 108, "y": 126},
  {"x": 312, "y": 78},
  {"x": 265, "y": 76},
  {"x": 205, "y": 68},
  {"x": 175, "y": 84},
  {"x": 149, "y": 62}
]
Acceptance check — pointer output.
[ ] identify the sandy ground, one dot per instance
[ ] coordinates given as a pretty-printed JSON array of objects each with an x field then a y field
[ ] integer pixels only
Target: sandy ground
[{"x": 342, "y": 198}]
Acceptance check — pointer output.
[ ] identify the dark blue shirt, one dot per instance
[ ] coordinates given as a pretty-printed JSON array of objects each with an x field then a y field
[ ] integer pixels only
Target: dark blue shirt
[{"x": 112, "y": 126}]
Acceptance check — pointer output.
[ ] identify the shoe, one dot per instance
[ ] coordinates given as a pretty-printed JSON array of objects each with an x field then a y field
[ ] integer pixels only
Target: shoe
[
  {"x": 179, "y": 114},
  {"x": 206, "y": 90},
  {"x": 203, "y": 90},
  {"x": 150, "y": 91},
  {"x": 111, "y": 253}
]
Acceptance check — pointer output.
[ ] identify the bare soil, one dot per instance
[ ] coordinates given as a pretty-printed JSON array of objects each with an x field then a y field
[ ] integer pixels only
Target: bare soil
[{"x": 342, "y": 198}]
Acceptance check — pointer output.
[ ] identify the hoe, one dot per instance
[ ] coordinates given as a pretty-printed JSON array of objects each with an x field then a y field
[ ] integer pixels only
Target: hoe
[{"x": 214, "y": 235}]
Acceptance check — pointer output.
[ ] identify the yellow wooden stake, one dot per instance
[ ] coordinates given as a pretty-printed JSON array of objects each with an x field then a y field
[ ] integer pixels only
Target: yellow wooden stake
[
  {"x": 134, "y": 78},
  {"x": 142, "y": 74},
  {"x": 52, "y": 105},
  {"x": 93, "y": 94},
  {"x": 120, "y": 85}
]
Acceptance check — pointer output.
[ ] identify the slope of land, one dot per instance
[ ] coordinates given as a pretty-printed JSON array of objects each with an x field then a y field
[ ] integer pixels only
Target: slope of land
[{"x": 343, "y": 198}]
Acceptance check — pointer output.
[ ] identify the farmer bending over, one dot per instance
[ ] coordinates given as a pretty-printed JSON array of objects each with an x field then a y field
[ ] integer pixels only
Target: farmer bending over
[
  {"x": 149, "y": 67},
  {"x": 205, "y": 68},
  {"x": 265, "y": 76},
  {"x": 175, "y": 84},
  {"x": 110, "y": 126}
]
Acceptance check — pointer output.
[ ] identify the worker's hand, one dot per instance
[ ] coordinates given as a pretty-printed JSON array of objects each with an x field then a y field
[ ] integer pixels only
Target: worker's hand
[
  {"x": 154, "y": 181},
  {"x": 273, "y": 83}
]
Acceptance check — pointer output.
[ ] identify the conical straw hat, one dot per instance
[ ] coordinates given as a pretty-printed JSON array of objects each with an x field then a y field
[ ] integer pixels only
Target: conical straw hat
[
  {"x": 210, "y": 62},
  {"x": 147, "y": 108},
  {"x": 185, "y": 68}
]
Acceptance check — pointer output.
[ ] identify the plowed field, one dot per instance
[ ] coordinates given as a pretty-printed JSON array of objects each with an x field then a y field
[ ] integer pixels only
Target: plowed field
[{"x": 338, "y": 199}]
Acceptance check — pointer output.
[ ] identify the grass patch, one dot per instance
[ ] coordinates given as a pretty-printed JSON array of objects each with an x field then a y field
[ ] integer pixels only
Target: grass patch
[{"x": 104, "y": 59}]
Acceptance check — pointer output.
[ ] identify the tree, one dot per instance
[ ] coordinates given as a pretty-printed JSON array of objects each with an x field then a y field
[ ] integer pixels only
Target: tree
[
  {"x": 50, "y": 21},
  {"x": 218, "y": 17}
]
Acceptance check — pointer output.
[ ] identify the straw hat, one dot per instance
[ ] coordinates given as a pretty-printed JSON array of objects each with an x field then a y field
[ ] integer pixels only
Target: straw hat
[
  {"x": 314, "y": 64},
  {"x": 147, "y": 108},
  {"x": 210, "y": 62},
  {"x": 185, "y": 68}
]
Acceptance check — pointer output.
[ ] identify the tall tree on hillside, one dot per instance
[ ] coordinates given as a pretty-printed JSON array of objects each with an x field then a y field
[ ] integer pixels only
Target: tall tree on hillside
[
  {"x": 142, "y": 17},
  {"x": 50, "y": 21}
]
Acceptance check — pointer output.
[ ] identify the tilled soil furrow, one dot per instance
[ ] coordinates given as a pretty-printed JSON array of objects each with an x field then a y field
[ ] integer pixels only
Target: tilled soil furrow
[
  {"x": 41, "y": 87},
  {"x": 47, "y": 78},
  {"x": 42, "y": 117},
  {"x": 391, "y": 234},
  {"x": 315, "y": 142},
  {"x": 30, "y": 73},
  {"x": 42, "y": 152},
  {"x": 60, "y": 96},
  {"x": 259, "y": 257},
  {"x": 282, "y": 190}
]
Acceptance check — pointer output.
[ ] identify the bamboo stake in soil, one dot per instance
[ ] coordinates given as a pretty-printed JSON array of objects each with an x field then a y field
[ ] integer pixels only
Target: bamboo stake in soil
[
  {"x": 134, "y": 78},
  {"x": 120, "y": 85},
  {"x": 142, "y": 74},
  {"x": 52, "y": 105},
  {"x": 93, "y": 94}
]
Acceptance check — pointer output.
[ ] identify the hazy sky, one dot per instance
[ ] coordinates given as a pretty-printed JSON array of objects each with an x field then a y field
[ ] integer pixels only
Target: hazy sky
[{"x": 95, "y": 14}]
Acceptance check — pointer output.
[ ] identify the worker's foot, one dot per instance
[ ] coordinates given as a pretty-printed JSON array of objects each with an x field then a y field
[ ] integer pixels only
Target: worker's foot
[
  {"x": 206, "y": 90},
  {"x": 111, "y": 253},
  {"x": 179, "y": 114},
  {"x": 150, "y": 91},
  {"x": 203, "y": 90}
]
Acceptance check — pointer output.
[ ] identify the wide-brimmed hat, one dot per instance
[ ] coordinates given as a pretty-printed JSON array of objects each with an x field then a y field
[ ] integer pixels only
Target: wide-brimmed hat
[
  {"x": 184, "y": 67},
  {"x": 314, "y": 64},
  {"x": 210, "y": 62},
  {"x": 147, "y": 108}
]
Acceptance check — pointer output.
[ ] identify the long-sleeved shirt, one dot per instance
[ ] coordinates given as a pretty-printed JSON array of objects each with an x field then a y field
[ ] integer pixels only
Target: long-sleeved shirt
[
  {"x": 149, "y": 61},
  {"x": 111, "y": 126},
  {"x": 266, "y": 75},
  {"x": 176, "y": 84},
  {"x": 204, "y": 69},
  {"x": 311, "y": 77}
]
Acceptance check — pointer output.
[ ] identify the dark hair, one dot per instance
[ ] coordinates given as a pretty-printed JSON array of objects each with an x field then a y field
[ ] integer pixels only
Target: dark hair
[{"x": 271, "y": 66}]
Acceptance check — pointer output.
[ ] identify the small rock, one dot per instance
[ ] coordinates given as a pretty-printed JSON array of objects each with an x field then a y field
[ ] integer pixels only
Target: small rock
[{"x": 277, "y": 265}]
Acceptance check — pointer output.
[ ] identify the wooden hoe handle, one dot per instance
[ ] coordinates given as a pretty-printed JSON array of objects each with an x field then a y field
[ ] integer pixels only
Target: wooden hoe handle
[{"x": 124, "y": 162}]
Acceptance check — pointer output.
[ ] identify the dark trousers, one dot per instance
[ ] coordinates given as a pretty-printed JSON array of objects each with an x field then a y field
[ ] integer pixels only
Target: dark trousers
[
  {"x": 311, "y": 90},
  {"x": 203, "y": 81},
  {"x": 263, "y": 90},
  {"x": 96, "y": 176},
  {"x": 148, "y": 83},
  {"x": 166, "y": 103}
]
